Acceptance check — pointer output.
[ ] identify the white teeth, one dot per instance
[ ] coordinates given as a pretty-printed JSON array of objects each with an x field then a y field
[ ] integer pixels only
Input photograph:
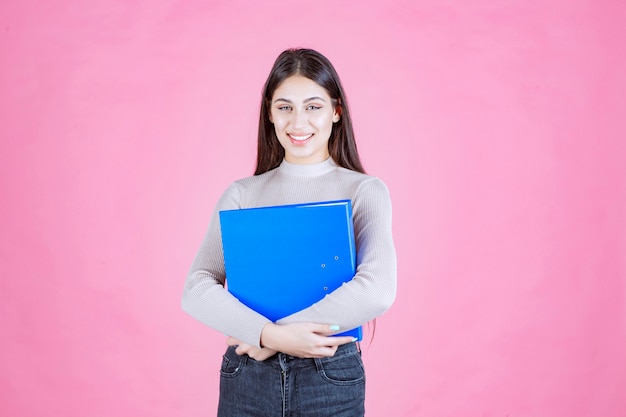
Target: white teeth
[{"x": 300, "y": 137}]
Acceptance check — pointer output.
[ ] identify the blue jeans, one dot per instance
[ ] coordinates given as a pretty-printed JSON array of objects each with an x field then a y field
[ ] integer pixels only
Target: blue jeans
[{"x": 286, "y": 386}]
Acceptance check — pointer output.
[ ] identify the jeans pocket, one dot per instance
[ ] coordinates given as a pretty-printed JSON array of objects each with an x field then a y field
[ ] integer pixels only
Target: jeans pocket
[
  {"x": 232, "y": 364},
  {"x": 343, "y": 370}
]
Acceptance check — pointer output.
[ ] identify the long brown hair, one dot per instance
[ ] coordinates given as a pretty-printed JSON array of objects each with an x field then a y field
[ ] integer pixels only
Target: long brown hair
[{"x": 314, "y": 66}]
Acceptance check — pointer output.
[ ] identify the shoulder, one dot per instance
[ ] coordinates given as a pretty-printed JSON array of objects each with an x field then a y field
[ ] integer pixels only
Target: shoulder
[
  {"x": 365, "y": 184},
  {"x": 239, "y": 192},
  {"x": 252, "y": 183},
  {"x": 254, "y": 180},
  {"x": 371, "y": 199},
  {"x": 374, "y": 186}
]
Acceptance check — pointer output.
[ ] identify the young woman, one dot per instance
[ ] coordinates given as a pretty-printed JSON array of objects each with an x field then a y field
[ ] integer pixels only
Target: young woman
[{"x": 306, "y": 153}]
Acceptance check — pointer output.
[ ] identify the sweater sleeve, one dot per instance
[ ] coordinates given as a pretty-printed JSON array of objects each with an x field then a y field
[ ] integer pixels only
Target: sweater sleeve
[
  {"x": 373, "y": 289},
  {"x": 204, "y": 296}
]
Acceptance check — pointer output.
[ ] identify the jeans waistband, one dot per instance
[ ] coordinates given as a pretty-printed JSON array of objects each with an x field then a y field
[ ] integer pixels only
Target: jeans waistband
[{"x": 294, "y": 361}]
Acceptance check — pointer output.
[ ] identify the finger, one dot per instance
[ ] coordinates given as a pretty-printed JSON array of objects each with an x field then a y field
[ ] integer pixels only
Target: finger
[
  {"x": 241, "y": 350},
  {"x": 327, "y": 329},
  {"x": 261, "y": 354},
  {"x": 244, "y": 348},
  {"x": 338, "y": 340},
  {"x": 322, "y": 352},
  {"x": 231, "y": 341}
]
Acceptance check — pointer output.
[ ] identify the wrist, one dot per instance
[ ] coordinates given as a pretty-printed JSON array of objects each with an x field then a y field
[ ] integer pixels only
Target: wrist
[{"x": 267, "y": 335}]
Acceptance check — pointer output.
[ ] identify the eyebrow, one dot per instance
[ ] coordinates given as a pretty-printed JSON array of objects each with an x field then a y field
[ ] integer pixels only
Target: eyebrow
[{"x": 305, "y": 101}]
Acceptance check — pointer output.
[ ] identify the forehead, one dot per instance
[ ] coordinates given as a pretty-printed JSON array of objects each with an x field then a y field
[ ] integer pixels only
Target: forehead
[{"x": 299, "y": 87}]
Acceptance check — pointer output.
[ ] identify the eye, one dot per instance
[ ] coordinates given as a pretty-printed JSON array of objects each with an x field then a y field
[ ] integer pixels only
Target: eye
[
  {"x": 284, "y": 108},
  {"x": 313, "y": 107}
]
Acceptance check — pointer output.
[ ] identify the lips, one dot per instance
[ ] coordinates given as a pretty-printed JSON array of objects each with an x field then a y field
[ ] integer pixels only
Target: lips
[{"x": 300, "y": 139}]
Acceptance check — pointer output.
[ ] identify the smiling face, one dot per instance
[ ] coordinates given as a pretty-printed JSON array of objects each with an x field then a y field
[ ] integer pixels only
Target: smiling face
[{"x": 303, "y": 115}]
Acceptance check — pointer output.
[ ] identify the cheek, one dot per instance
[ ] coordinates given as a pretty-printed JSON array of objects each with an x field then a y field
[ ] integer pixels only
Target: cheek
[
  {"x": 279, "y": 130},
  {"x": 279, "y": 127},
  {"x": 279, "y": 122},
  {"x": 323, "y": 121}
]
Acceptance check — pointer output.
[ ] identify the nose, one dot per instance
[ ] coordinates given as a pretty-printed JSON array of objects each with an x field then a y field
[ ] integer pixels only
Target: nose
[{"x": 300, "y": 120}]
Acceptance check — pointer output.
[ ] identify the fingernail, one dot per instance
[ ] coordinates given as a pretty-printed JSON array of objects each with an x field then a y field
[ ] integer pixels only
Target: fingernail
[
  {"x": 334, "y": 327},
  {"x": 354, "y": 339}
]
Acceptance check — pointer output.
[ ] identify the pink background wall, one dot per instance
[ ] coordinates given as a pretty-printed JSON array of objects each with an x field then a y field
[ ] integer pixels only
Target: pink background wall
[{"x": 499, "y": 128}]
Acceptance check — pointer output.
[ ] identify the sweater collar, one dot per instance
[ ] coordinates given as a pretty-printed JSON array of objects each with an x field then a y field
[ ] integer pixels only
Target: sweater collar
[{"x": 308, "y": 170}]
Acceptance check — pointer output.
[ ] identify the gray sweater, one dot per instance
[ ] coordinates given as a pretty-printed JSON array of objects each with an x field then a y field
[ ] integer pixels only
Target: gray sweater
[{"x": 367, "y": 296}]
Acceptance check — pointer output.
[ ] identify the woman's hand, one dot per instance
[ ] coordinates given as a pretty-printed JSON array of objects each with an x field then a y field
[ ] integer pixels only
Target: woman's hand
[
  {"x": 258, "y": 354},
  {"x": 303, "y": 340}
]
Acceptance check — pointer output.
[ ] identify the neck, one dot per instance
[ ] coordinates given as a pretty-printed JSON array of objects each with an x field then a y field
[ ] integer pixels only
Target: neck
[{"x": 308, "y": 170}]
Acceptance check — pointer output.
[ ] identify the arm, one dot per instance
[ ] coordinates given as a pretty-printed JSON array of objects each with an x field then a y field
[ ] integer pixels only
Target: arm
[
  {"x": 373, "y": 289},
  {"x": 304, "y": 340},
  {"x": 204, "y": 296}
]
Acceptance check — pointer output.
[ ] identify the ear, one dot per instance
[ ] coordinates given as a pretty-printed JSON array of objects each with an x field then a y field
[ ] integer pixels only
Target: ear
[{"x": 337, "y": 113}]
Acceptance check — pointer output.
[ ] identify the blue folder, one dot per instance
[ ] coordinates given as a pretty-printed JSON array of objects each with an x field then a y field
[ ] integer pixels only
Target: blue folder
[{"x": 282, "y": 259}]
